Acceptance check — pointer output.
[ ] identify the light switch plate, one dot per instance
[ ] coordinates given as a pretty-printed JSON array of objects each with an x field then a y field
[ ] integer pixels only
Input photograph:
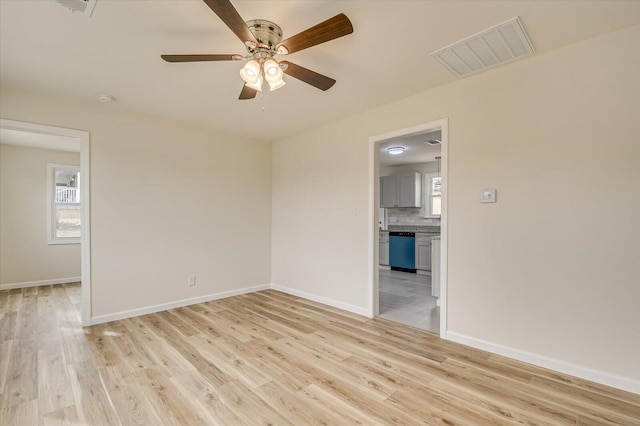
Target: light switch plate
[{"x": 488, "y": 196}]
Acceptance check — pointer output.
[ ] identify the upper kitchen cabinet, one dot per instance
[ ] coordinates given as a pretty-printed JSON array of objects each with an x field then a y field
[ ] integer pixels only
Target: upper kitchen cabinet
[{"x": 402, "y": 190}]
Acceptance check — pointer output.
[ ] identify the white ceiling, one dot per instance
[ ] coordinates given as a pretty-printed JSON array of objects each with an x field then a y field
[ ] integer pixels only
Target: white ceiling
[
  {"x": 39, "y": 140},
  {"x": 417, "y": 150},
  {"x": 45, "y": 47}
]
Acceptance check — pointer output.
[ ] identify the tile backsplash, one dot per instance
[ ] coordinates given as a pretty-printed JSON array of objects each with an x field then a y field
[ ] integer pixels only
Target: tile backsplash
[{"x": 409, "y": 216}]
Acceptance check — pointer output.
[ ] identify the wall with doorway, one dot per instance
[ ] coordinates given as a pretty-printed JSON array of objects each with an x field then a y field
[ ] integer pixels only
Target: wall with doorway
[
  {"x": 550, "y": 272},
  {"x": 25, "y": 255},
  {"x": 411, "y": 216},
  {"x": 168, "y": 200}
]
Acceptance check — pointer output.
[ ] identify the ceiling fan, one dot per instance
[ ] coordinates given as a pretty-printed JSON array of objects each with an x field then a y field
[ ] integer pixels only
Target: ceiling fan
[{"x": 263, "y": 41}]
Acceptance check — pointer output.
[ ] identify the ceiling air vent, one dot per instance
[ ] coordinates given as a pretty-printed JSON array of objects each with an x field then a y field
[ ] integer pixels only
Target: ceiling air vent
[
  {"x": 503, "y": 43},
  {"x": 82, "y": 6}
]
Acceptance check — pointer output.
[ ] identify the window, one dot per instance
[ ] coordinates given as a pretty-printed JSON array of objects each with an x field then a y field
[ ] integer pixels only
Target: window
[
  {"x": 63, "y": 202},
  {"x": 433, "y": 196}
]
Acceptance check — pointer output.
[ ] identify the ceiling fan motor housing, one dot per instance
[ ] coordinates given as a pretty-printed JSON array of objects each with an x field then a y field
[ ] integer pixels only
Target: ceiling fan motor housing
[{"x": 268, "y": 35}]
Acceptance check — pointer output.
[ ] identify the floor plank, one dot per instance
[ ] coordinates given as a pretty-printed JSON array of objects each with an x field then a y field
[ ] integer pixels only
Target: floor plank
[{"x": 268, "y": 358}]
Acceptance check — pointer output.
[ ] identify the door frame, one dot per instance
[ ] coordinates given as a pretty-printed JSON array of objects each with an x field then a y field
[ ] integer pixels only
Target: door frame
[
  {"x": 85, "y": 193},
  {"x": 374, "y": 197}
]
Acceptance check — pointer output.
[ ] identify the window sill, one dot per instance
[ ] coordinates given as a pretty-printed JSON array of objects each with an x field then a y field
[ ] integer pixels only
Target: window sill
[{"x": 64, "y": 241}]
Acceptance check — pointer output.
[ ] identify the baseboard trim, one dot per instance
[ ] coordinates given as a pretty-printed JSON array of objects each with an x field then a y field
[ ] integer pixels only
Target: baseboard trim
[
  {"x": 601, "y": 377},
  {"x": 324, "y": 300},
  {"x": 40, "y": 283},
  {"x": 172, "y": 305}
]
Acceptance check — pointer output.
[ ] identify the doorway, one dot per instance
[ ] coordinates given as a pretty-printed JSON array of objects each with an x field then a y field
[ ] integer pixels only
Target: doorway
[
  {"x": 409, "y": 207},
  {"x": 62, "y": 139}
]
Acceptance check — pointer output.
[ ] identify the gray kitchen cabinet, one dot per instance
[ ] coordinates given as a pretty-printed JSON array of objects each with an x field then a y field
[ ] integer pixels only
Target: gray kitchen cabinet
[
  {"x": 423, "y": 252},
  {"x": 384, "y": 248},
  {"x": 404, "y": 190},
  {"x": 388, "y": 191}
]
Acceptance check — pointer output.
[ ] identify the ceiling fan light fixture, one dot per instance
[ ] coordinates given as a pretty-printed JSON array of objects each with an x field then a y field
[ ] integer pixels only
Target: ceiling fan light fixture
[
  {"x": 250, "y": 73},
  {"x": 263, "y": 41},
  {"x": 395, "y": 150},
  {"x": 271, "y": 68},
  {"x": 257, "y": 85},
  {"x": 276, "y": 85},
  {"x": 273, "y": 74}
]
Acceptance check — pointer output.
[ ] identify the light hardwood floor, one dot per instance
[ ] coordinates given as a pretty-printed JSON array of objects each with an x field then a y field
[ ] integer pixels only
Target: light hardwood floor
[{"x": 268, "y": 358}]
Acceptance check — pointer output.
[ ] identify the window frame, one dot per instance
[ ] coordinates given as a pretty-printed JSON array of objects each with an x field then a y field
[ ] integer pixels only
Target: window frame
[
  {"x": 52, "y": 239},
  {"x": 428, "y": 204}
]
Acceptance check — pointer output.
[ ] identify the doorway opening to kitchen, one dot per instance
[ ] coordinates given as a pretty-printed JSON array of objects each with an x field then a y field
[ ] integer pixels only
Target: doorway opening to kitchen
[{"x": 409, "y": 210}]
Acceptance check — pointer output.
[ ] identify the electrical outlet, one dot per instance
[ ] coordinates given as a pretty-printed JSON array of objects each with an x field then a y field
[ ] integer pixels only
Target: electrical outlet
[{"x": 191, "y": 280}]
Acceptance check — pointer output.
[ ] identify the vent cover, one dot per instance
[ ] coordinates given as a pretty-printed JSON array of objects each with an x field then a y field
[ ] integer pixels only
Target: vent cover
[
  {"x": 82, "y": 6},
  {"x": 497, "y": 45}
]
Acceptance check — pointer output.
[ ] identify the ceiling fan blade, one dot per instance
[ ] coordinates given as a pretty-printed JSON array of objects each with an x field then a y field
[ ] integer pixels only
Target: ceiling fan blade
[
  {"x": 198, "y": 58},
  {"x": 320, "y": 81},
  {"x": 247, "y": 92},
  {"x": 230, "y": 16},
  {"x": 330, "y": 29}
]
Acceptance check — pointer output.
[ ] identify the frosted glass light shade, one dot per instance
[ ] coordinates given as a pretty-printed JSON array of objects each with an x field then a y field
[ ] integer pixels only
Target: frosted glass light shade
[
  {"x": 271, "y": 69},
  {"x": 257, "y": 85},
  {"x": 251, "y": 72},
  {"x": 273, "y": 74},
  {"x": 276, "y": 84}
]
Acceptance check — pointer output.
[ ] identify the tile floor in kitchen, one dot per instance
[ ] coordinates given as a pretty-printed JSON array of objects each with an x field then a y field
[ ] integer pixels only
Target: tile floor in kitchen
[{"x": 406, "y": 298}]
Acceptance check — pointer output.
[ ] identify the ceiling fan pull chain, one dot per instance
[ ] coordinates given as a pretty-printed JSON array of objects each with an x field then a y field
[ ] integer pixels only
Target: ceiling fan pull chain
[{"x": 262, "y": 101}]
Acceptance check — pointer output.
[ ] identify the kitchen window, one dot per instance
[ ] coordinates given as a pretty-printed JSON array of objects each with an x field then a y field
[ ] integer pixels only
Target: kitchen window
[
  {"x": 433, "y": 194},
  {"x": 63, "y": 204}
]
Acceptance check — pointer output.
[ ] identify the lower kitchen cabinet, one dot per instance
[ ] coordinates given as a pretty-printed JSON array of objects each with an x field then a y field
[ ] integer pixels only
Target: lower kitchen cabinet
[
  {"x": 423, "y": 252},
  {"x": 384, "y": 248}
]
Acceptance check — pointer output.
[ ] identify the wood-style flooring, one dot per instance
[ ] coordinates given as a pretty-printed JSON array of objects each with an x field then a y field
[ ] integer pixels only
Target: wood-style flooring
[{"x": 268, "y": 358}]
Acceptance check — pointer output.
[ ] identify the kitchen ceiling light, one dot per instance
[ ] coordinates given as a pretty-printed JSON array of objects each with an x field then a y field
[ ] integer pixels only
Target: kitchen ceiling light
[{"x": 395, "y": 150}]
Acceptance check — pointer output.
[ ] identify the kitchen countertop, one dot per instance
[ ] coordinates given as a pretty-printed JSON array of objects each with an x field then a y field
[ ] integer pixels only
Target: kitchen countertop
[{"x": 416, "y": 229}]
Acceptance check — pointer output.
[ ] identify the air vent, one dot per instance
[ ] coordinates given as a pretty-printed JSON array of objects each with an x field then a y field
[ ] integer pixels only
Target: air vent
[
  {"x": 503, "y": 43},
  {"x": 434, "y": 142},
  {"x": 82, "y": 6}
]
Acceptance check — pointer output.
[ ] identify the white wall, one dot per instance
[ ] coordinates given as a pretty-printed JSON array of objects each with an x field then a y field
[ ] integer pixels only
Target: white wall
[
  {"x": 25, "y": 255},
  {"x": 553, "y": 268},
  {"x": 168, "y": 199}
]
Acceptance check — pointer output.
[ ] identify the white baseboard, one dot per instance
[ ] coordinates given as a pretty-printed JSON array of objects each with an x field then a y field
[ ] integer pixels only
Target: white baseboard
[
  {"x": 601, "y": 377},
  {"x": 171, "y": 305},
  {"x": 40, "y": 283},
  {"x": 324, "y": 300}
]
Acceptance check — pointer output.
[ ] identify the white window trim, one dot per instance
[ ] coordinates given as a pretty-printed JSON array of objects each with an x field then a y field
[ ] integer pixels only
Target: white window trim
[
  {"x": 51, "y": 236},
  {"x": 428, "y": 197}
]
